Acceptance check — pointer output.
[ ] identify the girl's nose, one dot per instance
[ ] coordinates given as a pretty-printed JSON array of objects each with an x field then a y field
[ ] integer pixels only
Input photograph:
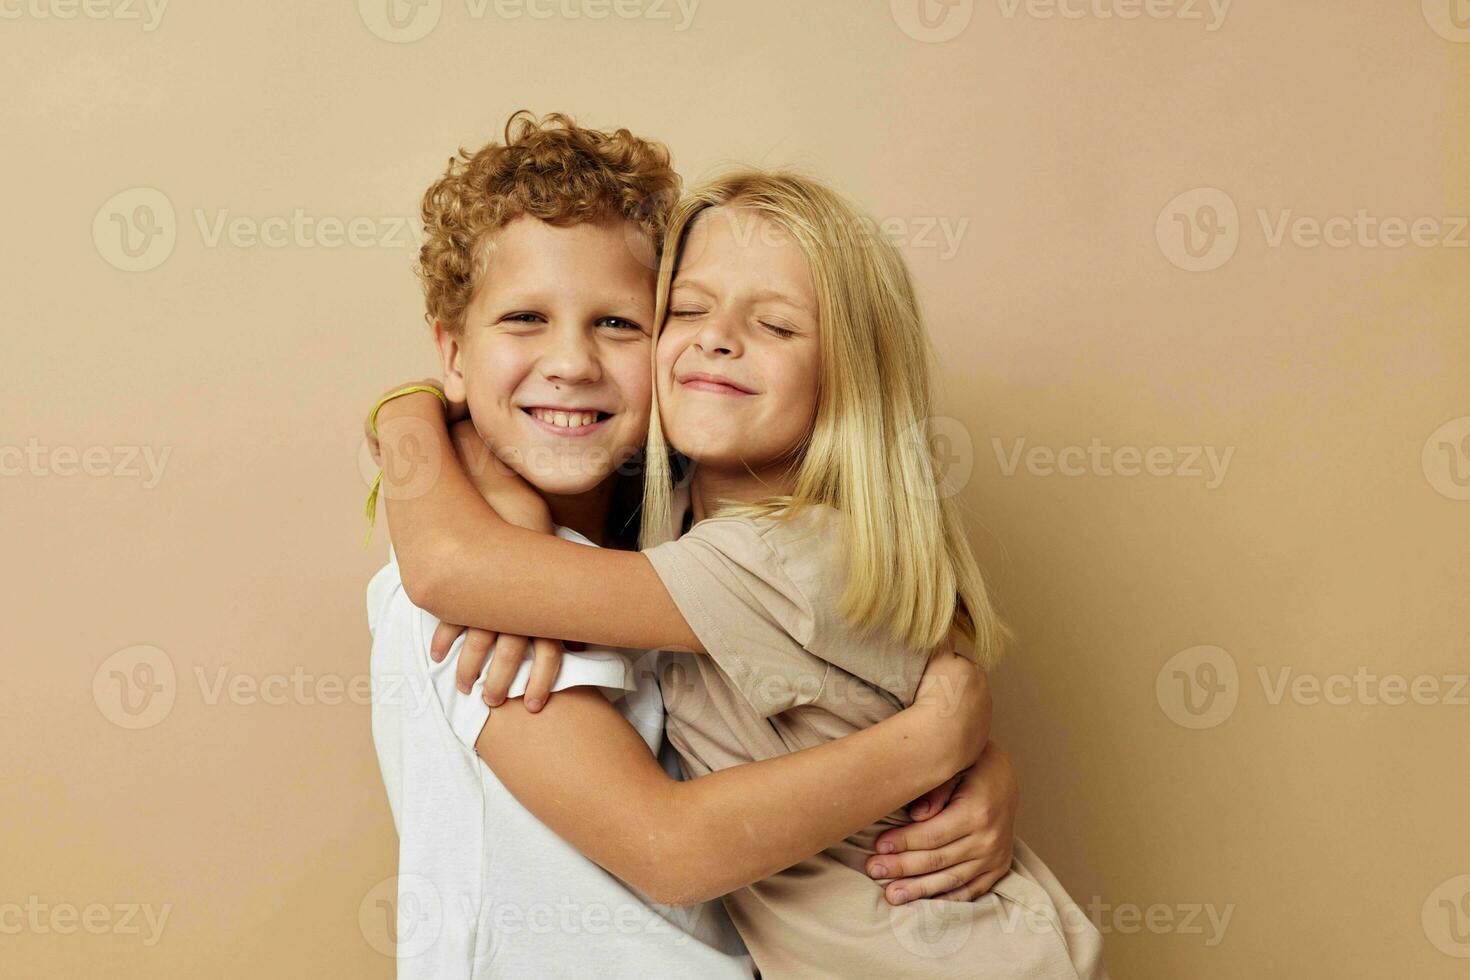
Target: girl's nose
[{"x": 717, "y": 336}]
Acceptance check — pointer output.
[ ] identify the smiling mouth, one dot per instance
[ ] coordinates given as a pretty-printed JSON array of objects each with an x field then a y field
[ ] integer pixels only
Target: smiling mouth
[
  {"x": 568, "y": 422},
  {"x": 713, "y": 383}
]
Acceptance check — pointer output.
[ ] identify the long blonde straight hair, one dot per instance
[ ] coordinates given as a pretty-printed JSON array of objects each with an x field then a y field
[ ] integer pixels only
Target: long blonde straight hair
[{"x": 910, "y": 568}]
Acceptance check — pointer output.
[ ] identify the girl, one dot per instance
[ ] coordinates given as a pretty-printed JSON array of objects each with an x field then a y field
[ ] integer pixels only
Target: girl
[{"x": 819, "y": 566}]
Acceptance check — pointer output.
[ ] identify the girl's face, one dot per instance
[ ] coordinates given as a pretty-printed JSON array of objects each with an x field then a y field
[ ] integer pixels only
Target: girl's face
[{"x": 738, "y": 361}]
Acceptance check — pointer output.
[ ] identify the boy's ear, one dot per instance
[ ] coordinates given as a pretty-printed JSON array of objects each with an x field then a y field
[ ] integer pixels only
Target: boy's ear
[{"x": 451, "y": 358}]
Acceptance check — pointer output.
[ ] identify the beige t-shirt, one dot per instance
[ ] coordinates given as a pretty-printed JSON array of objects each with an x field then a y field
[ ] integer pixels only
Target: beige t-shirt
[{"x": 784, "y": 672}]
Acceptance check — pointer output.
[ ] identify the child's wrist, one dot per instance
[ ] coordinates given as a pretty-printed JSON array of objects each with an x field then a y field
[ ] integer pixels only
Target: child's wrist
[{"x": 421, "y": 404}]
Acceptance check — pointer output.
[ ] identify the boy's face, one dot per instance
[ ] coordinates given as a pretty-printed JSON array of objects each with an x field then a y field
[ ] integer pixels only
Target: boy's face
[{"x": 554, "y": 357}]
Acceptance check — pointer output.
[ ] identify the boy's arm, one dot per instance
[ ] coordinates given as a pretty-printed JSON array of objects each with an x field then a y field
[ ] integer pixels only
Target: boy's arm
[
  {"x": 584, "y": 772},
  {"x": 464, "y": 564}
]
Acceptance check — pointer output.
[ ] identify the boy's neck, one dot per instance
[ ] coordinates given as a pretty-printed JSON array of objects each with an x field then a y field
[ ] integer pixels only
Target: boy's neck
[
  {"x": 711, "y": 489},
  {"x": 585, "y": 513}
]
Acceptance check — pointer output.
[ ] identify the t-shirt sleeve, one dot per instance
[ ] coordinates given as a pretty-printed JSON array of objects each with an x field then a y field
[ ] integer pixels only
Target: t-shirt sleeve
[
  {"x": 610, "y": 670},
  {"x": 752, "y": 619}
]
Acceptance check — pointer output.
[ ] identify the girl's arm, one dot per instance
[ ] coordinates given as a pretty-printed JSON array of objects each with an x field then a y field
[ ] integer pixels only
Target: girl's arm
[
  {"x": 463, "y": 564},
  {"x": 584, "y": 772}
]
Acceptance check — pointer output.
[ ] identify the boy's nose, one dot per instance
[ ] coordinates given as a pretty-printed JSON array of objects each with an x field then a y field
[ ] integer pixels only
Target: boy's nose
[{"x": 572, "y": 362}]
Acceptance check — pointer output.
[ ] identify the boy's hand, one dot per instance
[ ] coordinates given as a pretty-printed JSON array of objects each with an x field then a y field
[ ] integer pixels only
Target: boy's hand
[{"x": 960, "y": 843}]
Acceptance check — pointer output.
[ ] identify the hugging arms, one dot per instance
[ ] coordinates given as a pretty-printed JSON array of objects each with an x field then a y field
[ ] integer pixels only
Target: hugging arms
[{"x": 582, "y": 769}]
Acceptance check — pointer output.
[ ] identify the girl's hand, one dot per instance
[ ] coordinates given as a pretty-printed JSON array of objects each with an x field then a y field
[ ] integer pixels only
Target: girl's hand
[
  {"x": 510, "y": 650},
  {"x": 960, "y": 843}
]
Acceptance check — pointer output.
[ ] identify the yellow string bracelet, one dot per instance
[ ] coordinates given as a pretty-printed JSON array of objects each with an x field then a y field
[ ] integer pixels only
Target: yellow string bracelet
[{"x": 372, "y": 502}]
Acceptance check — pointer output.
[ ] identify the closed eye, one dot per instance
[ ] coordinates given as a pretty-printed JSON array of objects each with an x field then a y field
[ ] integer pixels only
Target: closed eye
[{"x": 778, "y": 330}]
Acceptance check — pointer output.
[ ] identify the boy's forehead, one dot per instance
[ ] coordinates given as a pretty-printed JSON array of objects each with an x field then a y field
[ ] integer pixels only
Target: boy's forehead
[{"x": 526, "y": 251}]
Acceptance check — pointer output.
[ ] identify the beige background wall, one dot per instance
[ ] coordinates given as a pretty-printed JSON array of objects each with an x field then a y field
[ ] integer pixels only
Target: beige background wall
[{"x": 234, "y": 790}]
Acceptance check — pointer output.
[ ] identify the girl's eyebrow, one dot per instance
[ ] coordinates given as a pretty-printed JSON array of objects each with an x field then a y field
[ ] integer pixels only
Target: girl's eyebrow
[{"x": 759, "y": 295}]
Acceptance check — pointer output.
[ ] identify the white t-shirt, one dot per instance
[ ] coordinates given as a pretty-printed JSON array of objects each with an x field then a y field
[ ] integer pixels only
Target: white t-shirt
[{"x": 484, "y": 888}]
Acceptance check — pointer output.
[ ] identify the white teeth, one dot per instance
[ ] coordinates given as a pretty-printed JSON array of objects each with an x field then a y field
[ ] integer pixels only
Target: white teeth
[{"x": 564, "y": 420}]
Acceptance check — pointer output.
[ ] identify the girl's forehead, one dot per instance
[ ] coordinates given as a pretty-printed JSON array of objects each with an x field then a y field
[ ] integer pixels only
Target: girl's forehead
[{"x": 739, "y": 249}]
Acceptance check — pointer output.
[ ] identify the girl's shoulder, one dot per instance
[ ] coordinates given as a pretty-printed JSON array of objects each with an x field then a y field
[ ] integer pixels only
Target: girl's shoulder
[
  {"x": 796, "y": 561},
  {"x": 798, "y": 551},
  {"x": 809, "y": 538}
]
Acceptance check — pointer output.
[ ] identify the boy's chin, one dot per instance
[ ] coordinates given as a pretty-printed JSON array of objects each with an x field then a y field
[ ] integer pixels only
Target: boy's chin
[{"x": 564, "y": 484}]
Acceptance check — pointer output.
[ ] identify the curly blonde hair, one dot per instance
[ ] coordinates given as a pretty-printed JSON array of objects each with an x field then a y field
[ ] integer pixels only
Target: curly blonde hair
[{"x": 548, "y": 168}]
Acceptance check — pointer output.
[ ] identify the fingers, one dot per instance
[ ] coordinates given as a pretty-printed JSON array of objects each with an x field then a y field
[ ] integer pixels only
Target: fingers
[
  {"x": 933, "y": 801},
  {"x": 472, "y": 657},
  {"x": 950, "y": 879},
  {"x": 509, "y": 652},
  {"x": 976, "y": 889},
  {"x": 913, "y": 864},
  {"x": 444, "y": 636},
  {"x": 927, "y": 835},
  {"x": 545, "y": 665}
]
